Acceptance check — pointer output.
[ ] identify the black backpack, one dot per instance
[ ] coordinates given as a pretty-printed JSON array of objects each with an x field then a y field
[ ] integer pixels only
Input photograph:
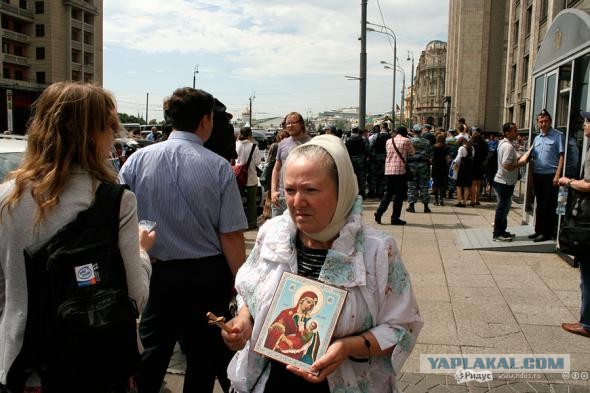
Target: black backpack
[{"x": 80, "y": 333}]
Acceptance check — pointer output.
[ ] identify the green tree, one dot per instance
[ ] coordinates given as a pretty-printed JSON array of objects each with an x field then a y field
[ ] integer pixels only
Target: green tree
[{"x": 125, "y": 118}]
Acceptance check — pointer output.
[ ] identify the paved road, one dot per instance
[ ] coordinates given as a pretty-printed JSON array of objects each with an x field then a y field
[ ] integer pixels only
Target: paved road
[{"x": 481, "y": 302}]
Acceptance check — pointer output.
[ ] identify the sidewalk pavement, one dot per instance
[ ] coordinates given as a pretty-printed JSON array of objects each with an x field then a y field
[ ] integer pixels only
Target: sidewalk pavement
[{"x": 480, "y": 302}]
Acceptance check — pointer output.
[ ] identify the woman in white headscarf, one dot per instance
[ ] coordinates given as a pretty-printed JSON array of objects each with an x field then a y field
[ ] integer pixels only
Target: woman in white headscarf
[{"x": 321, "y": 236}]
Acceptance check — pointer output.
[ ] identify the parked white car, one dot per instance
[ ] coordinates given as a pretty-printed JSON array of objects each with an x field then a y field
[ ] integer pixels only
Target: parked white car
[{"x": 12, "y": 148}]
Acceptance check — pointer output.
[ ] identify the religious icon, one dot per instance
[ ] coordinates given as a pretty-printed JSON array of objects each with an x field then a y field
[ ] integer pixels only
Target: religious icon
[{"x": 300, "y": 322}]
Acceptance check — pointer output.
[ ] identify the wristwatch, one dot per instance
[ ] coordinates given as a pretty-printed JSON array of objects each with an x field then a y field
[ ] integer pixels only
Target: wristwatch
[{"x": 569, "y": 183}]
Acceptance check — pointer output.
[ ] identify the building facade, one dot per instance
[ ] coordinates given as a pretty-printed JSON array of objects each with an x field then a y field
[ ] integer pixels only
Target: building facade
[
  {"x": 527, "y": 26},
  {"x": 45, "y": 41},
  {"x": 430, "y": 84},
  {"x": 476, "y": 58}
]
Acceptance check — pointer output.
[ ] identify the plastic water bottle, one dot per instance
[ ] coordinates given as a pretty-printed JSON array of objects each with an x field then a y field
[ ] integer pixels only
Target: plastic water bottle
[{"x": 561, "y": 200}]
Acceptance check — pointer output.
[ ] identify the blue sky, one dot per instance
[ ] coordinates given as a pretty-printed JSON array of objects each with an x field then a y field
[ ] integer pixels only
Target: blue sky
[{"x": 292, "y": 55}]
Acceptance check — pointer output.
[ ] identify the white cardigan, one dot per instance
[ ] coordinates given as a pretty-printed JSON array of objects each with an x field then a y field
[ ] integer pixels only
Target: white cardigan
[{"x": 364, "y": 261}]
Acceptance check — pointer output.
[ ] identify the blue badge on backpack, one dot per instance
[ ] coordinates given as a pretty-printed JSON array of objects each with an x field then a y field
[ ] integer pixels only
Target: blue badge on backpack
[{"x": 85, "y": 275}]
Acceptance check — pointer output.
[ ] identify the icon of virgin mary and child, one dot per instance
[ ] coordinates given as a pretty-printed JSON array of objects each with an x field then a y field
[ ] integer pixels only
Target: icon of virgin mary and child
[{"x": 293, "y": 333}]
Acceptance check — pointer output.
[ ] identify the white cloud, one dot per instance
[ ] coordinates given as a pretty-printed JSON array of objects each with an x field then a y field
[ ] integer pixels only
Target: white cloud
[{"x": 263, "y": 40}]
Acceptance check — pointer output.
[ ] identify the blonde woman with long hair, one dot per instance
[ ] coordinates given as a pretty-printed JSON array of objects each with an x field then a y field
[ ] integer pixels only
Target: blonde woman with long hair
[{"x": 70, "y": 138}]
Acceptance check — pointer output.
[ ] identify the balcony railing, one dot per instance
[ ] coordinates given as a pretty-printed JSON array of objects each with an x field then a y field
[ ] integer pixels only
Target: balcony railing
[
  {"x": 13, "y": 35},
  {"x": 26, "y": 84},
  {"x": 88, "y": 27},
  {"x": 7, "y": 58},
  {"x": 16, "y": 11},
  {"x": 76, "y": 44},
  {"x": 83, "y": 5}
]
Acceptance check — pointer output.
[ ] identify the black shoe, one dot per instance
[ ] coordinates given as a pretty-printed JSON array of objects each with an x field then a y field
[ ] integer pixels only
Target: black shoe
[
  {"x": 378, "y": 218},
  {"x": 540, "y": 238},
  {"x": 509, "y": 234},
  {"x": 427, "y": 209},
  {"x": 410, "y": 208},
  {"x": 533, "y": 235},
  {"x": 502, "y": 238},
  {"x": 397, "y": 221}
]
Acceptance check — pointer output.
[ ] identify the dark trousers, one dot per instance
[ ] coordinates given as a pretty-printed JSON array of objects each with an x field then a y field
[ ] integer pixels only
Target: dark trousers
[
  {"x": 584, "y": 263},
  {"x": 397, "y": 187},
  {"x": 181, "y": 293},
  {"x": 504, "y": 195},
  {"x": 251, "y": 212},
  {"x": 546, "y": 195}
]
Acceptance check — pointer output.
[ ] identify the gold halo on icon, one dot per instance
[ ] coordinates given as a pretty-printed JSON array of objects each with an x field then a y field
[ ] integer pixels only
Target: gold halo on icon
[{"x": 315, "y": 290}]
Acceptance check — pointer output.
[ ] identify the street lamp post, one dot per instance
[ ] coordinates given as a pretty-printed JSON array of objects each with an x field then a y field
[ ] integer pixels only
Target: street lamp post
[
  {"x": 401, "y": 113},
  {"x": 363, "y": 67},
  {"x": 252, "y": 97},
  {"x": 389, "y": 32},
  {"x": 412, "y": 92},
  {"x": 195, "y": 72},
  {"x": 389, "y": 66}
]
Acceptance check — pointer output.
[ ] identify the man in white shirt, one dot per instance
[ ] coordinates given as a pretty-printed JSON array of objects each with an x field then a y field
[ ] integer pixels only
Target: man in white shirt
[{"x": 505, "y": 179}]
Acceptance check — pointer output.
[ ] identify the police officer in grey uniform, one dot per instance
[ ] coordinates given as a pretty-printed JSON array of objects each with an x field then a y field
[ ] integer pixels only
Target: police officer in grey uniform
[{"x": 419, "y": 166}]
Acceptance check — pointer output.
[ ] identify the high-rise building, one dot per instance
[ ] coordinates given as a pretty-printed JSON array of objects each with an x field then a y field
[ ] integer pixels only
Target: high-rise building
[
  {"x": 430, "y": 84},
  {"x": 45, "y": 41},
  {"x": 476, "y": 58}
]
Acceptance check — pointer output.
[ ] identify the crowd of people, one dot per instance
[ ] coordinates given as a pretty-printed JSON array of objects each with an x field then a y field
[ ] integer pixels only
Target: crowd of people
[{"x": 197, "y": 259}]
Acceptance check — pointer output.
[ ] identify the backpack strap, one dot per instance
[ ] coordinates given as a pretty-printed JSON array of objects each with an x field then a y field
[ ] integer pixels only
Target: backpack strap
[{"x": 108, "y": 199}]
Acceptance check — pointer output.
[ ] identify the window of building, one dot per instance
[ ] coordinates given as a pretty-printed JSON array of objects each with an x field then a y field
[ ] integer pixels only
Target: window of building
[
  {"x": 75, "y": 56},
  {"x": 522, "y": 119},
  {"x": 516, "y": 31},
  {"x": 40, "y": 77},
  {"x": 39, "y": 30},
  {"x": 22, "y": 4},
  {"x": 40, "y": 52},
  {"x": 75, "y": 34},
  {"x": 75, "y": 75},
  {"x": 88, "y": 58},
  {"x": 513, "y": 80},
  {"x": 88, "y": 38},
  {"x": 525, "y": 70},
  {"x": 87, "y": 77},
  {"x": 39, "y": 7},
  {"x": 76, "y": 14},
  {"x": 89, "y": 19},
  {"x": 18, "y": 50},
  {"x": 544, "y": 10},
  {"x": 529, "y": 19},
  {"x": 19, "y": 75},
  {"x": 5, "y": 48},
  {"x": 511, "y": 114},
  {"x": 6, "y": 73}
]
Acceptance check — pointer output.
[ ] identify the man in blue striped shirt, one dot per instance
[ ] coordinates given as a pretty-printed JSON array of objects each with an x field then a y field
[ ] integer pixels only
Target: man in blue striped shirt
[{"x": 193, "y": 196}]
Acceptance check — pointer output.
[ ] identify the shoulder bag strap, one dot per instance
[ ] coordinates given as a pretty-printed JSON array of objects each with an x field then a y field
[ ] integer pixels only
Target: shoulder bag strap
[
  {"x": 397, "y": 151},
  {"x": 250, "y": 156}
]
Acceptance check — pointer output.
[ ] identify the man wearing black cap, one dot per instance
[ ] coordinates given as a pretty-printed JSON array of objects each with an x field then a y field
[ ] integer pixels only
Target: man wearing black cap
[
  {"x": 547, "y": 155},
  {"x": 581, "y": 328}
]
